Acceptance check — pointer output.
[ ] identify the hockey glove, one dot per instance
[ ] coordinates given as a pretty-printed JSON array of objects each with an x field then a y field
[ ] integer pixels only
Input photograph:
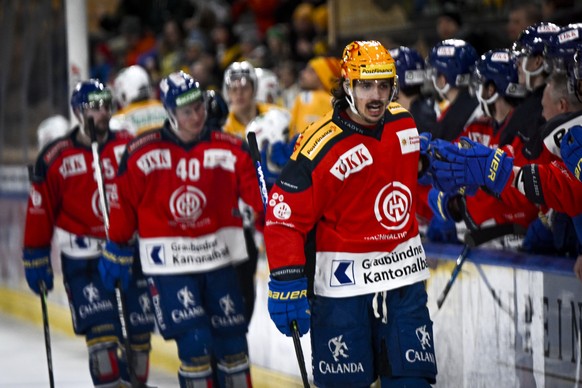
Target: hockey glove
[
  {"x": 571, "y": 150},
  {"x": 538, "y": 238},
  {"x": 442, "y": 231},
  {"x": 38, "y": 269},
  {"x": 287, "y": 303},
  {"x": 115, "y": 265},
  {"x": 439, "y": 170},
  {"x": 473, "y": 164},
  {"x": 445, "y": 206}
]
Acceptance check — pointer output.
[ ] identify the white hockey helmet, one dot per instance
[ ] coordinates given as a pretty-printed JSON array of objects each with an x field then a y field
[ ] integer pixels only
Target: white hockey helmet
[
  {"x": 131, "y": 84},
  {"x": 268, "y": 88},
  {"x": 270, "y": 127},
  {"x": 51, "y": 128},
  {"x": 239, "y": 71}
]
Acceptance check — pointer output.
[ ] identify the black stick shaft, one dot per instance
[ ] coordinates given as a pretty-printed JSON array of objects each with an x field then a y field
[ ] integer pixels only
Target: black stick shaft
[
  {"x": 460, "y": 261},
  {"x": 256, "y": 156},
  {"x": 47, "y": 335}
]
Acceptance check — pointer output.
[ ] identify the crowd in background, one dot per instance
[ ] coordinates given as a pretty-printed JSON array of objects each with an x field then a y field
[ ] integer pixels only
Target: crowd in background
[{"x": 281, "y": 39}]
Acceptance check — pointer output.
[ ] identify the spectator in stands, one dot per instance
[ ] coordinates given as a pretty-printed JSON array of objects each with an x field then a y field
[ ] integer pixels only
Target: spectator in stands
[
  {"x": 520, "y": 17},
  {"x": 316, "y": 80},
  {"x": 138, "y": 40}
]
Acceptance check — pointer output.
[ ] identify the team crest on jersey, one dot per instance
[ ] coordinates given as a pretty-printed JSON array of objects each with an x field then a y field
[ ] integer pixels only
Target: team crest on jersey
[
  {"x": 157, "y": 159},
  {"x": 73, "y": 165},
  {"x": 409, "y": 140},
  {"x": 187, "y": 204},
  {"x": 96, "y": 205},
  {"x": 351, "y": 162},
  {"x": 281, "y": 210},
  {"x": 392, "y": 206}
]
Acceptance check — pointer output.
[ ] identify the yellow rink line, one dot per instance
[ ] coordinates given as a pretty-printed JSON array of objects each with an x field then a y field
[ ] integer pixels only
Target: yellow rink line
[{"x": 26, "y": 306}]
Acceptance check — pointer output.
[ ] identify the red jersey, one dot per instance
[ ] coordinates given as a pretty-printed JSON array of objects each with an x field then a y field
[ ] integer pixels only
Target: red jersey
[
  {"x": 182, "y": 199},
  {"x": 64, "y": 191},
  {"x": 357, "y": 186},
  {"x": 486, "y": 130}
]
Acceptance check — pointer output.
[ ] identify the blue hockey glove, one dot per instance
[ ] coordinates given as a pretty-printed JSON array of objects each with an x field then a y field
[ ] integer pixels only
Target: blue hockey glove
[
  {"x": 38, "y": 269},
  {"x": 443, "y": 205},
  {"x": 571, "y": 150},
  {"x": 439, "y": 170},
  {"x": 473, "y": 164},
  {"x": 287, "y": 303},
  {"x": 538, "y": 238},
  {"x": 115, "y": 265},
  {"x": 425, "y": 177},
  {"x": 442, "y": 231},
  {"x": 282, "y": 151}
]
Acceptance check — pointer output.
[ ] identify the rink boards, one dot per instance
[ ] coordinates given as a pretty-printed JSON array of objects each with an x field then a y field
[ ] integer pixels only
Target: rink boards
[{"x": 510, "y": 319}]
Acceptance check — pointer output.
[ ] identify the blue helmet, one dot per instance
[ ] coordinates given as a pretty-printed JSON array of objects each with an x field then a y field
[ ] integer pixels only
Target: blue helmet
[
  {"x": 500, "y": 68},
  {"x": 90, "y": 94},
  {"x": 453, "y": 58},
  {"x": 409, "y": 67},
  {"x": 533, "y": 40},
  {"x": 179, "y": 89},
  {"x": 562, "y": 46}
]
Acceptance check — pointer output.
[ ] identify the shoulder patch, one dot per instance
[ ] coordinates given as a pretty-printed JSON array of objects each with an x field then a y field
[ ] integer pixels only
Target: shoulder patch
[
  {"x": 55, "y": 149},
  {"x": 396, "y": 108},
  {"x": 226, "y": 137},
  {"x": 314, "y": 139},
  {"x": 142, "y": 140}
]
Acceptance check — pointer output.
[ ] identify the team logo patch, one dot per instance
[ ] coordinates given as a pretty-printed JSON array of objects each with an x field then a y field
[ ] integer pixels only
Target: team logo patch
[
  {"x": 318, "y": 140},
  {"x": 224, "y": 159},
  {"x": 351, "y": 161},
  {"x": 158, "y": 159},
  {"x": 73, "y": 165},
  {"x": 281, "y": 210},
  {"x": 156, "y": 254},
  {"x": 392, "y": 206},
  {"x": 187, "y": 203},
  {"x": 409, "y": 140},
  {"x": 342, "y": 273},
  {"x": 338, "y": 348}
]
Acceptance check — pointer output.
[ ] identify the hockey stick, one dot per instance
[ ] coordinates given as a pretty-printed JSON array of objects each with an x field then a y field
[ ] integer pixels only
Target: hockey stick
[
  {"x": 121, "y": 308},
  {"x": 47, "y": 335},
  {"x": 45, "y": 321},
  {"x": 256, "y": 156},
  {"x": 473, "y": 239}
]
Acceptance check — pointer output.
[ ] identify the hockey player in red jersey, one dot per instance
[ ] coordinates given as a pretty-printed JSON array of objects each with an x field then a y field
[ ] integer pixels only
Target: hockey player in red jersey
[
  {"x": 64, "y": 201},
  {"x": 179, "y": 187},
  {"x": 352, "y": 180}
]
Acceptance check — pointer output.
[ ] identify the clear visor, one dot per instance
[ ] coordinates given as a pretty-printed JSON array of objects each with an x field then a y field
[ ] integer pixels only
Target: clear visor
[
  {"x": 378, "y": 88},
  {"x": 97, "y": 105},
  {"x": 240, "y": 82}
]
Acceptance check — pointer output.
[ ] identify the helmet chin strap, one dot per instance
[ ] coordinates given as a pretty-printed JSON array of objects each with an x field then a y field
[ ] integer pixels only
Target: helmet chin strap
[
  {"x": 441, "y": 91},
  {"x": 529, "y": 74},
  {"x": 351, "y": 99},
  {"x": 486, "y": 102}
]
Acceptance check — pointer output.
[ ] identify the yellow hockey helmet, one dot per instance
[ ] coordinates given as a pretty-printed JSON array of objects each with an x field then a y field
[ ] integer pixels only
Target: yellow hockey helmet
[{"x": 367, "y": 60}]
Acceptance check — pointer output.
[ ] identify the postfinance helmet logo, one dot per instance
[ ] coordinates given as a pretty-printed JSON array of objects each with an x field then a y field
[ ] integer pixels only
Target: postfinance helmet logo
[{"x": 367, "y": 60}]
